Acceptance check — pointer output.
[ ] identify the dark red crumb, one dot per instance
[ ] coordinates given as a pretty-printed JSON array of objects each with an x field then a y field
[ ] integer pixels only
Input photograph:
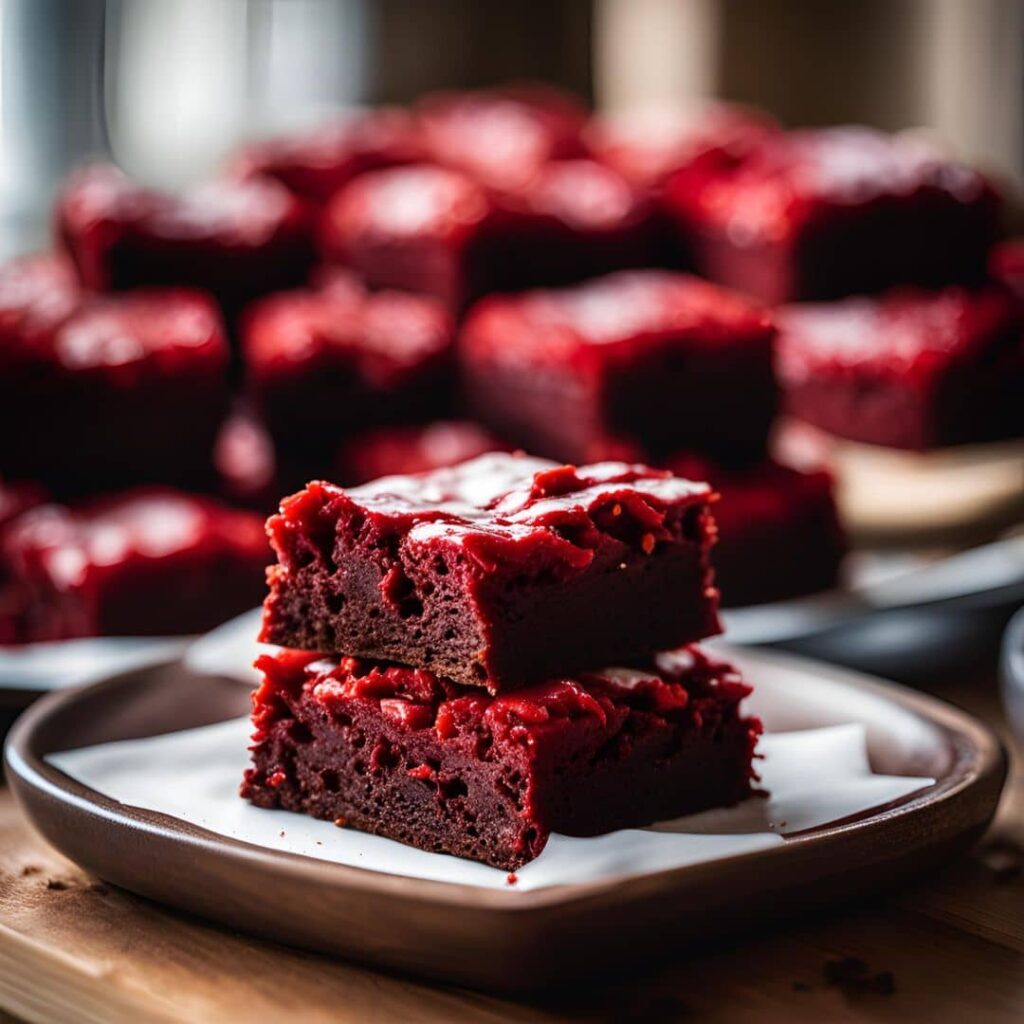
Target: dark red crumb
[
  {"x": 854, "y": 977},
  {"x": 30, "y": 869},
  {"x": 341, "y": 822},
  {"x": 511, "y": 878},
  {"x": 56, "y": 885}
]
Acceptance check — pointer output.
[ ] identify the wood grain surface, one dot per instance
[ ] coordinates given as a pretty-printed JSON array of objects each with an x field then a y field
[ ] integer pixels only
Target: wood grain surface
[{"x": 951, "y": 947}]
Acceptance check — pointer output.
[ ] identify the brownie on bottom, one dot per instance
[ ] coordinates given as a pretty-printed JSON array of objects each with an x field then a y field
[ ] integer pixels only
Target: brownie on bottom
[{"x": 404, "y": 754}]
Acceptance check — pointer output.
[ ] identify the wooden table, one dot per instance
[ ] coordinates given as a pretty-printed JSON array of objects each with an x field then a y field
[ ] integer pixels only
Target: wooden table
[{"x": 73, "y": 949}]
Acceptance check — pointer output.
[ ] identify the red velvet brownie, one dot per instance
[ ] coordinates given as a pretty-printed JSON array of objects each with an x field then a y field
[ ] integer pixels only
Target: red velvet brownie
[
  {"x": 439, "y": 232},
  {"x": 823, "y": 213},
  {"x": 648, "y": 148},
  {"x": 663, "y": 360},
  {"x": 908, "y": 369},
  {"x": 16, "y": 497},
  {"x": 402, "y": 753},
  {"x": 150, "y": 561},
  {"x": 320, "y": 365},
  {"x": 574, "y": 219},
  {"x": 115, "y": 378},
  {"x": 391, "y": 451},
  {"x": 496, "y": 572},
  {"x": 501, "y": 137},
  {"x": 237, "y": 239},
  {"x": 314, "y": 164},
  {"x": 778, "y": 529}
]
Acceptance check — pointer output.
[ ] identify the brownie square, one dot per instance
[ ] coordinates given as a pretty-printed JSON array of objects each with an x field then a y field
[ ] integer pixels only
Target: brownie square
[
  {"x": 824, "y": 213},
  {"x": 416, "y": 448},
  {"x": 497, "y": 572},
  {"x": 410, "y": 228},
  {"x": 442, "y": 233},
  {"x": 314, "y": 164},
  {"x": 501, "y": 137},
  {"x": 234, "y": 238},
  {"x": 321, "y": 365},
  {"x": 779, "y": 534},
  {"x": 647, "y": 148},
  {"x": 908, "y": 369},
  {"x": 402, "y": 753},
  {"x": 662, "y": 360},
  {"x": 149, "y": 561},
  {"x": 124, "y": 389}
]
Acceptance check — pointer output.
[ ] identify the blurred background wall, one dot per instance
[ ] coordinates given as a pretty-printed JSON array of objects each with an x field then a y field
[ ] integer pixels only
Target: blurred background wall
[{"x": 167, "y": 87}]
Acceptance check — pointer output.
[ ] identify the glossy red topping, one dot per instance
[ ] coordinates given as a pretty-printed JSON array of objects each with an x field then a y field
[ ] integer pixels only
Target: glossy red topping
[
  {"x": 316, "y": 163},
  {"x": 509, "y": 497},
  {"x": 684, "y": 681},
  {"x": 904, "y": 334},
  {"x": 501, "y": 137},
  {"x": 388, "y": 451},
  {"x": 610, "y": 319},
  {"x": 647, "y": 148}
]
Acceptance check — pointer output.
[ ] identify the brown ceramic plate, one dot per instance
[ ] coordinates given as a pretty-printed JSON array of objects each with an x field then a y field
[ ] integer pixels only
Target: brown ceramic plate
[{"x": 509, "y": 940}]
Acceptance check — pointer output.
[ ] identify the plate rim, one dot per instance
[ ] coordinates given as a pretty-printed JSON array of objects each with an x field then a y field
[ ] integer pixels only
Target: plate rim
[{"x": 979, "y": 759}]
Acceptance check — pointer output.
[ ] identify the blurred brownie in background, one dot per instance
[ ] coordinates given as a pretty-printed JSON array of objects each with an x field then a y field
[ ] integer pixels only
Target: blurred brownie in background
[
  {"x": 419, "y": 448},
  {"x": 323, "y": 364},
  {"x": 648, "y": 147},
  {"x": 779, "y": 534},
  {"x": 124, "y": 389},
  {"x": 823, "y": 213},
  {"x": 907, "y": 369},
  {"x": 236, "y": 239},
  {"x": 660, "y": 360},
  {"x": 150, "y": 561},
  {"x": 501, "y": 137},
  {"x": 440, "y": 232},
  {"x": 315, "y": 163}
]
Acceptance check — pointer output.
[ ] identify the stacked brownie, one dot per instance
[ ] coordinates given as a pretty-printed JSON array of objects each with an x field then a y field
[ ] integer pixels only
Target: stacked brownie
[{"x": 465, "y": 704}]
